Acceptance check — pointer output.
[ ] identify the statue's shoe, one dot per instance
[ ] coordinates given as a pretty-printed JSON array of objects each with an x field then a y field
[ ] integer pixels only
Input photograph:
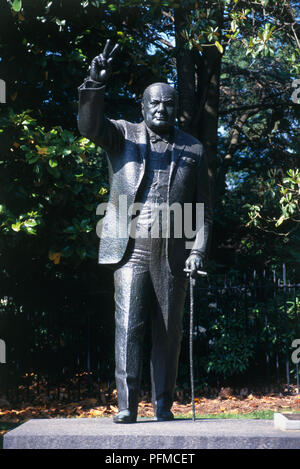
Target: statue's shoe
[
  {"x": 125, "y": 416},
  {"x": 164, "y": 415}
]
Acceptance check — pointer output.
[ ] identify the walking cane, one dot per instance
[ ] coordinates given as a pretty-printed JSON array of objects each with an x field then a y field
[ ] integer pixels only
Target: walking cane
[{"x": 192, "y": 284}]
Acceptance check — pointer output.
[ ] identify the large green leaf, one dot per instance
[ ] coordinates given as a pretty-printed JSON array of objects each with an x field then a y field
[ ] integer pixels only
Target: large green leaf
[{"x": 17, "y": 5}]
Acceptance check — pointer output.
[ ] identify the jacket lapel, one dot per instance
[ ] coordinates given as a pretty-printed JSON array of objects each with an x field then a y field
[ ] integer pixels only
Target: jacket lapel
[
  {"x": 178, "y": 147},
  {"x": 142, "y": 141}
]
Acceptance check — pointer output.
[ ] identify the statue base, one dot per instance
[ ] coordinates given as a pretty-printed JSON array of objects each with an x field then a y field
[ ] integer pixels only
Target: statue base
[{"x": 102, "y": 433}]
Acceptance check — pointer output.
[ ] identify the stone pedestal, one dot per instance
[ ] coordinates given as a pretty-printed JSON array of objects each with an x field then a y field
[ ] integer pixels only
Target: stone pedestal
[{"x": 102, "y": 433}]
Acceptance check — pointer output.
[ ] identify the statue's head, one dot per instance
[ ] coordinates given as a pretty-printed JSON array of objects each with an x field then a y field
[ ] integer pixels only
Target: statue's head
[{"x": 159, "y": 107}]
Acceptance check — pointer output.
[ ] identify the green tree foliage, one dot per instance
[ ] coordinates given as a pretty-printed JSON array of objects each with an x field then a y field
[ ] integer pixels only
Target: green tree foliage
[{"x": 50, "y": 178}]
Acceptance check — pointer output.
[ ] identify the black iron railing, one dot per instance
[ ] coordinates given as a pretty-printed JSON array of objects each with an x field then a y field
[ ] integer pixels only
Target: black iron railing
[{"x": 244, "y": 327}]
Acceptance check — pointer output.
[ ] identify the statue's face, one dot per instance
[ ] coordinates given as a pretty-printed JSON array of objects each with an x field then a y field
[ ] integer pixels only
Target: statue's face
[{"x": 159, "y": 108}]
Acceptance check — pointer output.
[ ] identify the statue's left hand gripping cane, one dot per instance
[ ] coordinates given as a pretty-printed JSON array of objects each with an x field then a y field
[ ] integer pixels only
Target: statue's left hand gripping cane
[{"x": 192, "y": 270}]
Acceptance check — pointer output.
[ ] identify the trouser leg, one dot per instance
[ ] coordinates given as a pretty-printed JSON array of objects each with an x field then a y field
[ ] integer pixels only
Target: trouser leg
[
  {"x": 132, "y": 292},
  {"x": 170, "y": 292}
]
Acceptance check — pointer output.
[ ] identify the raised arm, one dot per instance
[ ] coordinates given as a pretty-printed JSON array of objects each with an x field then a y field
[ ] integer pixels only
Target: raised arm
[{"x": 92, "y": 122}]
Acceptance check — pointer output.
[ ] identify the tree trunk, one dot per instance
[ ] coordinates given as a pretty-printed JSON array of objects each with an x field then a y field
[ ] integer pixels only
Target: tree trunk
[
  {"x": 206, "y": 119},
  {"x": 198, "y": 78},
  {"x": 185, "y": 75}
]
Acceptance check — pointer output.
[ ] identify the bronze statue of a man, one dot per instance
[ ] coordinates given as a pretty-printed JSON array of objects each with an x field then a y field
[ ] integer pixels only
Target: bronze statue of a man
[{"x": 151, "y": 164}]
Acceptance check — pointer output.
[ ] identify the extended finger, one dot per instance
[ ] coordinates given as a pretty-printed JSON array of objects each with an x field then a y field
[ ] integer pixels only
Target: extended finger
[
  {"x": 114, "y": 50},
  {"x": 106, "y": 48}
]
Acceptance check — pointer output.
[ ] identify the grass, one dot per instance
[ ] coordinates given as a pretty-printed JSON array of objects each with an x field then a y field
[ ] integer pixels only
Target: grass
[{"x": 257, "y": 414}]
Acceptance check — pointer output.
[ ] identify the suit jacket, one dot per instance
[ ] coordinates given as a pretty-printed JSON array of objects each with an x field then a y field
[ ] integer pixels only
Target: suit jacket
[{"x": 126, "y": 147}]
